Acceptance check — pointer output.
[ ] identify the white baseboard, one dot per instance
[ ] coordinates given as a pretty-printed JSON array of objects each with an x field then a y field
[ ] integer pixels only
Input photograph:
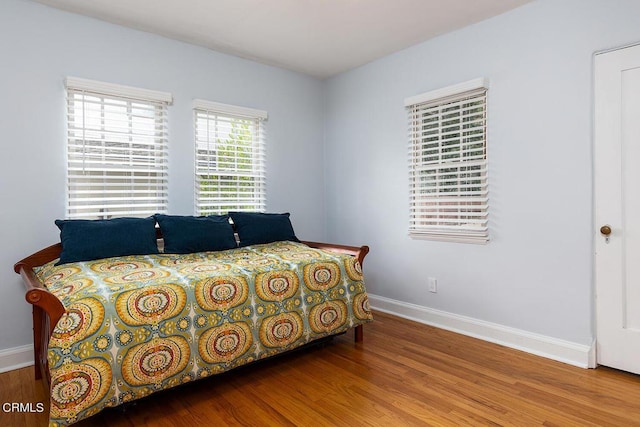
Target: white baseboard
[
  {"x": 16, "y": 358},
  {"x": 552, "y": 348}
]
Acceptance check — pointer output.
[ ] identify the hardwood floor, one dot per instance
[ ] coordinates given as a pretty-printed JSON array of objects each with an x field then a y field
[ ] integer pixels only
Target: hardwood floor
[{"x": 403, "y": 374}]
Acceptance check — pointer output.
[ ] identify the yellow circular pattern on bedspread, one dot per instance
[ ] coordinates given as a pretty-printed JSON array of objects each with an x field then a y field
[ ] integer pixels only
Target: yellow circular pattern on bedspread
[
  {"x": 154, "y": 361},
  {"x": 255, "y": 261},
  {"x": 119, "y": 266},
  {"x": 225, "y": 343},
  {"x": 73, "y": 287},
  {"x": 361, "y": 307},
  {"x": 138, "y": 275},
  {"x": 328, "y": 316},
  {"x": 321, "y": 276},
  {"x": 277, "y": 285},
  {"x": 78, "y": 386},
  {"x": 276, "y": 248},
  {"x": 81, "y": 319},
  {"x": 353, "y": 268},
  {"x": 281, "y": 330},
  {"x": 61, "y": 273},
  {"x": 300, "y": 255},
  {"x": 150, "y": 304},
  {"x": 203, "y": 268},
  {"x": 221, "y": 293}
]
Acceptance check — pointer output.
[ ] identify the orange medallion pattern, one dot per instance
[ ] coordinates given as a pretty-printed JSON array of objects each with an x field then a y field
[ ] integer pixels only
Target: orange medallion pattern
[
  {"x": 199, "y": 268},
  {"x": 353, "y": 268},
  {"x": 73, "y": 287},
  {"x": 328, "y": 316},
  {"x": 81, "y": 320},
  {"x": 150, "y": 304},
  {"x": 361, "y": 307},
  {"x": 138, "y": 275},
  {"x": 281, "y": 330},
  {"x": 221, "y": 293},
  {"x": 277, "y": 285},
  {"x": 61, "y": 274},
  {"x": 119, "y": 266},
  {"x": 153, "y": 362},
  {"x": 78, "y": 386},
  {"x": 225, "y": 343},
  {"x": 321, "y": 276}
]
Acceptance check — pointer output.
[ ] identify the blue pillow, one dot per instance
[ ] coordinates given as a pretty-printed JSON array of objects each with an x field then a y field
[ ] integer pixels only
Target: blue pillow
[
  {"x": 86, "y": 240},
  {"x": 255, "y": 228},
  {"x": 188, "y": 234}
]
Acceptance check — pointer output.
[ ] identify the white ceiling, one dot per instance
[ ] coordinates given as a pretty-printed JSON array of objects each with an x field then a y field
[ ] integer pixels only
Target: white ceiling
[{"x": 316, "y": 37}]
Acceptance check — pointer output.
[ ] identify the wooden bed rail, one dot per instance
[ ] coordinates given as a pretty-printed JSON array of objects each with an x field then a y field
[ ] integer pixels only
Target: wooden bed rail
[
  {"x": 36, "y": 293},
  {"x": 47, "y": 308},
  {"x": 358, "y": 252}
]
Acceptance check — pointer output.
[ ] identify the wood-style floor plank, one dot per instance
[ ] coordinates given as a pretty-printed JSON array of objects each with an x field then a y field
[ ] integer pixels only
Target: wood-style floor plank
[{"x": 403, "y": 374}]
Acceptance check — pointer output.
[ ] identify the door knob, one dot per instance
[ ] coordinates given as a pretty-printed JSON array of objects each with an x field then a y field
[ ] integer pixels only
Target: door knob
[{"x": 605, "y": 230}]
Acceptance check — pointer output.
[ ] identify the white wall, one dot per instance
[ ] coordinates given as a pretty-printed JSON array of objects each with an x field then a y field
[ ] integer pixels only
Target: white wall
[
  {"x": 536, "y": 273},
  {"x": 40, "y": 46}
]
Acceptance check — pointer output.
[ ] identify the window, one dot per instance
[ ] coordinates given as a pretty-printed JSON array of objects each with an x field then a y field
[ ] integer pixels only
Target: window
[
  {"x": 448, "y": 163},
  {"x": 230, "y": 173},
  {"x": 116, "y": 150}
]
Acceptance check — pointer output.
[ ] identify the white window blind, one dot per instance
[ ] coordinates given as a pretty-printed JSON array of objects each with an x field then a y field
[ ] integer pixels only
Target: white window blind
[
  {"x": 116, "y": 151},
  {"x": 448, "y": 164},
  {"x": 230, "y": 165}
]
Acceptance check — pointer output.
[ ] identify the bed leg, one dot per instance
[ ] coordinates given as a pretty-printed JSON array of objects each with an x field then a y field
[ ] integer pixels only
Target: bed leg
[
  {"x": 37, "y": 340},
  {"x": 359, "y": 333}
]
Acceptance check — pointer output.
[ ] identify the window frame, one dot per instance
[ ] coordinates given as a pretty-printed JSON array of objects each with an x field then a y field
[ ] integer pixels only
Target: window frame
[
  {"x": 448, "y": 169},
  {"x": 221, "y": 115},
  {"x": 144, "y": 144}
]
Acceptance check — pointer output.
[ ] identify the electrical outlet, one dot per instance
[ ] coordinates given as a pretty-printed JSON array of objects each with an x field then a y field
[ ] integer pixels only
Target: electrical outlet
[{"x": 433, "y": 284}]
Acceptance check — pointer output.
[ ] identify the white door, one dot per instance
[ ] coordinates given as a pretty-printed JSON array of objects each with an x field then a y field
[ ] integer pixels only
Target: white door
[{"x": 617, "y": 208}]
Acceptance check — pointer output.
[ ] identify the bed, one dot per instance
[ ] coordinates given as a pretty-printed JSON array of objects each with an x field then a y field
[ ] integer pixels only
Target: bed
[{"x": 109, "y": 330}]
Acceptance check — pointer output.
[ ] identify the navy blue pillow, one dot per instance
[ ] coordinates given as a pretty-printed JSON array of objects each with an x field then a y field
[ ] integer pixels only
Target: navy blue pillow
[
  {"x": 86, "y": 240},
  {"x": 254, "y": 228},
  {"x": 188, "y": 234}
]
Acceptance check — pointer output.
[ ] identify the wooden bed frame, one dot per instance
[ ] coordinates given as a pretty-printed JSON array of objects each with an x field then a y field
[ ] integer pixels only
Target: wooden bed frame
[{"x": 47, "y": 308}]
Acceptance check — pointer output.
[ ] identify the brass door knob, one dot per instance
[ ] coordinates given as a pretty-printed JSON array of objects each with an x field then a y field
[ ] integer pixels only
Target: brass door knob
[{"x": 605, "y": 230}]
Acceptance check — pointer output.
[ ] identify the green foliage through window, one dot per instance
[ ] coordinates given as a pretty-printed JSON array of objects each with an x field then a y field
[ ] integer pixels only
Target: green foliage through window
[{"x": 229, "y": 164}]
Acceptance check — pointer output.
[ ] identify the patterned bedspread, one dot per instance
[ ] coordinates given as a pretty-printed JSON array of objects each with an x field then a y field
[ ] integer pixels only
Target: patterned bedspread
[{"x": 134, "y": 325}]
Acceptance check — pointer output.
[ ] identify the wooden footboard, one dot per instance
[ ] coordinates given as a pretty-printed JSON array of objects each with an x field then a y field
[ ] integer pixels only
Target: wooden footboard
[{"x": 47, "y": 308}]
